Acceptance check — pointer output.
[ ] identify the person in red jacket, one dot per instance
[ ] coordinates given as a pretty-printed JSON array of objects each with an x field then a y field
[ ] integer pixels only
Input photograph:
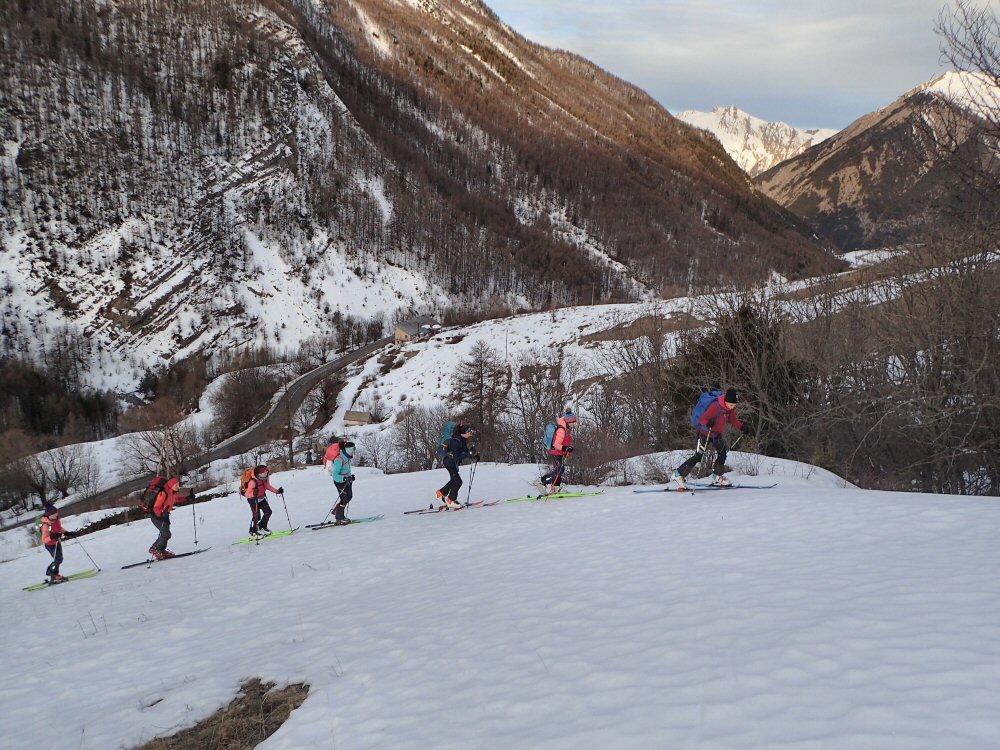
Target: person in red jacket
[
  {"x": 172, "y": 494},
  {"x": 562, "y": 446},
  {"x": 256, "y": 495},
  {"x": 52, "y": 536},
  {"x": 711, "y": 424}
]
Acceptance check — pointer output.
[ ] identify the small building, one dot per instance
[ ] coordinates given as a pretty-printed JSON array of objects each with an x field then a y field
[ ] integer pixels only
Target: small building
[
  {"x": 416, "y": 328},
  {"x": 357, "y": 418}
]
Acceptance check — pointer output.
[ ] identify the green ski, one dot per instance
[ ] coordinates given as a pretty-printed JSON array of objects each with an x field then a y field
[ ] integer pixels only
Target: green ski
[
  {"x": 272, "y": 535},
  {"x": 553, "y": 496},
  {"x": 75, "y": 577}
]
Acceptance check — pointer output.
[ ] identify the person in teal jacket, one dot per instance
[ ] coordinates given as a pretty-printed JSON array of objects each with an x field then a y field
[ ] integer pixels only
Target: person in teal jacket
[{"x": 343, "y": 480}]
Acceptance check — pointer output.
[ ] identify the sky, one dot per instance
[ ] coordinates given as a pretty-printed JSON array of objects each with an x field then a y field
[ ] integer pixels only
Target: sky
[{"x": 810, "y": 63}]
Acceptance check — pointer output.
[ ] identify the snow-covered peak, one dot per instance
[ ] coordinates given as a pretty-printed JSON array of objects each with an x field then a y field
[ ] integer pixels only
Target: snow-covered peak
[
  {"x": 973, "y": 91},
  {"x": 755, "y": 144}
]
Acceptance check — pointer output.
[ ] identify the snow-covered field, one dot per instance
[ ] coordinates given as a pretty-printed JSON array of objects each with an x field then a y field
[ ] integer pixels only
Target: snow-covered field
[{"x": 812, "y": 615}]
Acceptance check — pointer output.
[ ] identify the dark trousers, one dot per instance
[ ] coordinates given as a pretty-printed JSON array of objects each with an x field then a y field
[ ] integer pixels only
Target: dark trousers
[
  {"x": 163, "y": 526},
  {"x": 451, "y": 488},
  {"x": 56, "y": 551},
  {"x": 345, "y": 492},
  {"x": 555, "y": 476},
  {"x": 719, "y": 467},
  {"x": 261, "y": 513}
]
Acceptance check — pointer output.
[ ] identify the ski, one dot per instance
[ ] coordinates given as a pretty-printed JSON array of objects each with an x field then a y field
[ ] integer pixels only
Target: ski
[
  {"x": 75, "y": 577},
  {"x": 553, "y": 496},
  {"x": 700, "y": 487},
  {"x": 447, "y": 508},
  {"x": 367, "y": 519},
  {"x": 272, "y": 535},
  {"x": 152, "y": 560},
  {"x": 668, "y": 489}
]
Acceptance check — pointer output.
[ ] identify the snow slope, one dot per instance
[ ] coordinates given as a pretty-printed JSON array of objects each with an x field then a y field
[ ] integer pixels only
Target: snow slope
[{"x": 812, "y": 615}]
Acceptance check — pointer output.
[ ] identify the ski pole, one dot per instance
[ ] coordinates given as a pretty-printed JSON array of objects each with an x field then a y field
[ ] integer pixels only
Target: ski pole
[
  {"x": 87, "y": 554},
  {"x": 557, "y": 474},
  {"x": 472, "y": 478},
  {"x": 286, "y": 510},
  {"x": 340, "y": 496},
  {"x": 194, "y": 521}
]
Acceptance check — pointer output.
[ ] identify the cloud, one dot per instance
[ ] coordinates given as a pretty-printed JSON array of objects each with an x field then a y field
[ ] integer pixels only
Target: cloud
[{"x": 809, "y": 63}]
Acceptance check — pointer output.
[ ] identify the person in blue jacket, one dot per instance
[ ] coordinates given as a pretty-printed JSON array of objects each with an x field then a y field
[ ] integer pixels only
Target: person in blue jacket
[{"x": 343, "y": 480}]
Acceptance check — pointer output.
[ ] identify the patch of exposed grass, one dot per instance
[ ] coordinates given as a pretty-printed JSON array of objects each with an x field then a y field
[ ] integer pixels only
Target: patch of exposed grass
[{"x": 254, "y": 715}]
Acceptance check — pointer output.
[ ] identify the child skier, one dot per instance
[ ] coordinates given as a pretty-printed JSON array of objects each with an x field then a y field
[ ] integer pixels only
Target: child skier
[
  {"x": 562, "y": 446},
  {"x": 710, "y": 426},
  {"x": 343, "y": 480},
  {"x": 52, "y": 536},
  {"x": 256, "y": 495},
  {"x": 456, "y": 450},
  {"x": 169, "y": 496}
]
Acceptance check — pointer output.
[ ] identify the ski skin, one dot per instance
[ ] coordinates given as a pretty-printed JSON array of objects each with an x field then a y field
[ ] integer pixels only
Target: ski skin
[
  {"x": 367, "y": 519},
  {"x": 152, "y": 560},
  {"x": 447, "y": 508},
  {"x": 75, "y": 577},
  {"x": 553, "y": 496},
  {"x": 266, "y": 536}
]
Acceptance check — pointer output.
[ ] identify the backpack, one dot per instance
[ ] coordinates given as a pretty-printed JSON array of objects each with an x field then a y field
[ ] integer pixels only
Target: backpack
[
  {"x": 550, "y": 435},
  {"x": 148, "y": 498},
  {"x": 332, "y": 453},
  {"x": 245, "y": 481},
  {"x": 38, "y": 528},
  {"x": 447, "y": 432},
  {"x": 704, "y": 401}
]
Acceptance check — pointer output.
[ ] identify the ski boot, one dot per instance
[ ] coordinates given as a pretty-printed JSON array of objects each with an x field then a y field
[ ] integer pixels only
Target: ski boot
[
  {"x": 681, "y": 481},
  {"x": 720, "y": 480}
]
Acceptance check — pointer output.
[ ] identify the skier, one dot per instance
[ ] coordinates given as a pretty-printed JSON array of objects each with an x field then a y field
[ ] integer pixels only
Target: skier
[
  {"x": 343, "y": 480},
  {"x": 562, "y": 446},
  {"x": 711, "y": 423},
  {"x": 169, "y": 496},
  {"x": 456, "y": 450},
  {"x": 52, "y": 535},
  {"x": 256, "y": 495}
]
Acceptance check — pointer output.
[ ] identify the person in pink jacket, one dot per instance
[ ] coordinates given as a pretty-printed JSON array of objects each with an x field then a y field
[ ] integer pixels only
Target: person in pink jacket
[
  {"x": 172, "y": 494},
  {"x": 256, "y": 495},
  {"x": 52, "y": 536},
  {"x": 562, "y": 446}
]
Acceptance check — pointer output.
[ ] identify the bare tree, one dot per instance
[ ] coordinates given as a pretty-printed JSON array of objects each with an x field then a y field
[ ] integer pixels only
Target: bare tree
[
  {"x": 377, "y": 448},
  {"x": 70, "y": 468}
]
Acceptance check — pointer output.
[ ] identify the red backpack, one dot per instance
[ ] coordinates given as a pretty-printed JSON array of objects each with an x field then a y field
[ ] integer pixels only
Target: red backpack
[{"x": 148, "y": 498}]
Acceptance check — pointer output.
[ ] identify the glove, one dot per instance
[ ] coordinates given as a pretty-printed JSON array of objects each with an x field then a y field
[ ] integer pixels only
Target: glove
[
  {"x": 281, "y": 490},
  {"x": 475, "y": 456},
  {"x": 191, "y": 494},
  {"x": 568, "y": 449},
  {"x": 350, "y": 478},
  {"x": 745, "y": 429}
]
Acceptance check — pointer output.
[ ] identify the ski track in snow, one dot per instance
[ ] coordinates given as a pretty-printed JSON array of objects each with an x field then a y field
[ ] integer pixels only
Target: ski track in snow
[{"x": 808, "y": 616}]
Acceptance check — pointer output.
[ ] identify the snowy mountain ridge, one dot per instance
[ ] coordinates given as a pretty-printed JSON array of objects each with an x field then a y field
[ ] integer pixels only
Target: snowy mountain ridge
[{"x": 755, "y": 144}]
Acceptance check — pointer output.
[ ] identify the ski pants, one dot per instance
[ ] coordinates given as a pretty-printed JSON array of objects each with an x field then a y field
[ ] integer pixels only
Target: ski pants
[
  {"x": 260, "y": 511},
  {"x": 719, "y": 467},
  {"x": 56, "y": 551},
  {"x": 555, "y": 476},
  {"x": 163, "y": 526},
  {"x": 345, "y": 492},
  {"x": 454, "y": 480}
]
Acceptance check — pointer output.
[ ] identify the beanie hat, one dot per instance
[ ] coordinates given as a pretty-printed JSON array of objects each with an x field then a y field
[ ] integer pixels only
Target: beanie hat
[
  {"x": 464, "y": 429},
  {"x": 570, "y": 417},
  {"x": 732, "y": 396},
  {"x": 50, "y": 509}
]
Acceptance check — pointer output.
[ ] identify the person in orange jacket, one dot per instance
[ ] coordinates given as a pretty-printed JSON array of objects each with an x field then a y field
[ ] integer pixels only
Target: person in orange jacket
[
  {"x": 52, "y": 536},
  {"x": 256, "y": 496},
  {"x": 172, "y": 494}
]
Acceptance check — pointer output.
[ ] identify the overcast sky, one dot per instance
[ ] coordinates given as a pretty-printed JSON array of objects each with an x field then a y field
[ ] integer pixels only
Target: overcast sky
[{"x": 810, "y": 63}]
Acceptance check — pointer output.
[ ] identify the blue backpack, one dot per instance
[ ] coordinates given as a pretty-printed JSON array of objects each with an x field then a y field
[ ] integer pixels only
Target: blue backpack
[
  {"x": 704, "y": 401},
  {"x": 446, "y": 434},
  {"x": 550, "y": 435}
]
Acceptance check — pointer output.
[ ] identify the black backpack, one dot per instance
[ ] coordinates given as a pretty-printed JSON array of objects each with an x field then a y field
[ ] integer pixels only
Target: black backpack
[{"x": 148, "y": 498}]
